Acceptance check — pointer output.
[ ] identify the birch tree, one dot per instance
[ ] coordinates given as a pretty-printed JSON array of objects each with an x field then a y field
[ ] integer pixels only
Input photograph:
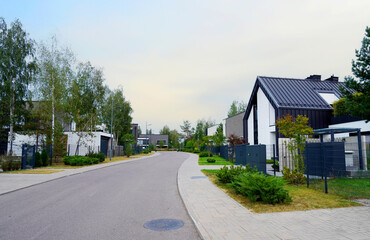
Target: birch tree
[{"x": 17, "y": 67}]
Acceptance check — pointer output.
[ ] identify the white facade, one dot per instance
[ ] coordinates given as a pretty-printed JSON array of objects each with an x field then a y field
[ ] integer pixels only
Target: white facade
[
  {"x": 212, "y": 130},
  {"x": 88, "y": 142},
  {"x": 20, "y": 139},
  {"x": 363, "y": 125},
  {"x": 265, "y": 111},
  {"x": 266, "y": 121}
]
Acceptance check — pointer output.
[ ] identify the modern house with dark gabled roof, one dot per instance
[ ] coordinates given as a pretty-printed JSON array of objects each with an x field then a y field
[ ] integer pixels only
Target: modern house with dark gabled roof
[{"x": 274, "y": 97}]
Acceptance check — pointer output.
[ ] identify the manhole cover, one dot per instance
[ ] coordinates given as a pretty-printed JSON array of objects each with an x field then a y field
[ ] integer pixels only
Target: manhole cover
[
  {"x": 164, "y": 224},
  {"x": 198, "y": 177}
]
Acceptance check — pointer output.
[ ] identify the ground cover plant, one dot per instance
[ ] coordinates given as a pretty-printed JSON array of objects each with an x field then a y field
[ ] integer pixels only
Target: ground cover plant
[
  {"x": 259, "y": 187},
  {"x": 218, "y": 161},
  {"x": 303, "y": 198}
]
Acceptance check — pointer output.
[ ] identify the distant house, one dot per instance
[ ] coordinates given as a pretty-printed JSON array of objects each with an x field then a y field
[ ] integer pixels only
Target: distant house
[
  {"x": 234, "y": 125},
  {"x": 145, "y": 139},
  {"x": 273, "y": 98}
]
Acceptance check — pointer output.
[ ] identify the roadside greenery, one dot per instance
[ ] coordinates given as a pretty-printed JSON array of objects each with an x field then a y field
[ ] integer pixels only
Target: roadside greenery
[
  {"x": 303, "y": 198},
  {"x": 357, "y": 104},
  {"x": 217, "y": 161}
]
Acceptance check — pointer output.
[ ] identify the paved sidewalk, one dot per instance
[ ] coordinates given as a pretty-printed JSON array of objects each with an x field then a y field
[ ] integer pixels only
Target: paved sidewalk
[
  {"x": 13, "y": 182},
  {"x": 217, "y": 216}
]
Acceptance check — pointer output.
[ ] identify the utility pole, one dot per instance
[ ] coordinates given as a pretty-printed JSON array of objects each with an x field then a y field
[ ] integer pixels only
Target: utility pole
[{"x": 111, "y": 133}]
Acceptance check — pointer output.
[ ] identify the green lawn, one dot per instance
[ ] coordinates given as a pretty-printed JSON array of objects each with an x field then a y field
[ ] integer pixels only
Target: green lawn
[
  {"x": 219, "y": 161},
  {"x": 303, "y": 198},
  {"x": 345, "y": 187}
]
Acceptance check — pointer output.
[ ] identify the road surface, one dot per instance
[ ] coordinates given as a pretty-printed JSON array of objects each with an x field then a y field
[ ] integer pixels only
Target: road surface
[{"x": 109, "y": 203}]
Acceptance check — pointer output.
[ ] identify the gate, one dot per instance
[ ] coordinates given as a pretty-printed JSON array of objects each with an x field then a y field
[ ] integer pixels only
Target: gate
[
  {"x": 224, "y": 152},
  {"x": 28, "y": 156},
  {"x": 104, "y": 145},
  {"x": 325, "y": 159},
  {"x": 254, "y": 155}
]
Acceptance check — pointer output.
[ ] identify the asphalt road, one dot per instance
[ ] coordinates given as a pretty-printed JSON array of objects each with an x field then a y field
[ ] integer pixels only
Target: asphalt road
[{"x": 109, "y": 203}]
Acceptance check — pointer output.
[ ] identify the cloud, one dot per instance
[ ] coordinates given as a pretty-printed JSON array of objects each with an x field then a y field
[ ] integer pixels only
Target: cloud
[{"x": 187, "y": 60}]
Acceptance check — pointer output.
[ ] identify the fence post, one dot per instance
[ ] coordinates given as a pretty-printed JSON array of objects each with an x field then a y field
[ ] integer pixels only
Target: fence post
[
  {"x": 307, "y": 168},
  {"x": 324, "y": 169},
  {"x": 273, "y": 155}
]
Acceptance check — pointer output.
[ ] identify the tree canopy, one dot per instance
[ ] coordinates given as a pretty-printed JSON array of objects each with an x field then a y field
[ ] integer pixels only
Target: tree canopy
[
  {"x": 236, "y": 108},
  {"x": 17, "y": 68},
  {"x": 358, "y": 104}
]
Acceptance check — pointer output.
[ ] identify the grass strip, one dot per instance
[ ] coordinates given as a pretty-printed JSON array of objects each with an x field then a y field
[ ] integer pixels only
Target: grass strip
[
  {"x": 303, "y": 198},
  {"x": 34, "y": 171},
  {"x": 219, "y": 161}
]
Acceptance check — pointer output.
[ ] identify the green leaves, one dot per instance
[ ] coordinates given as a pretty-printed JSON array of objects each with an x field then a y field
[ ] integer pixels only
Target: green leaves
[
  {"x": 358, "y": 104},
  {"x": 297, "y": 131}
]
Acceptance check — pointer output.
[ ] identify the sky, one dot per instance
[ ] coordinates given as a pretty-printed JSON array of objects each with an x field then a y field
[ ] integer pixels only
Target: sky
[{"x": 188, "y": 60}]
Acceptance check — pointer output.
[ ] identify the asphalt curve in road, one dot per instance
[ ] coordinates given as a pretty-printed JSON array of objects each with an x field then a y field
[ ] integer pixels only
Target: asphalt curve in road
[{"x": 109, "y": 203}]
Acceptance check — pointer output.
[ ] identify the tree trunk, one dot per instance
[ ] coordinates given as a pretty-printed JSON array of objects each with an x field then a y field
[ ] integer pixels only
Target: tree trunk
[{"x": 11, "y": 124}]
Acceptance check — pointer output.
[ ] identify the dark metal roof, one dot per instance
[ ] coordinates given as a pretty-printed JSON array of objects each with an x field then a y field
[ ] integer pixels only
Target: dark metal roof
[
  {"x": 298, "y": 93},
  {"x": 324, "y": 131}
]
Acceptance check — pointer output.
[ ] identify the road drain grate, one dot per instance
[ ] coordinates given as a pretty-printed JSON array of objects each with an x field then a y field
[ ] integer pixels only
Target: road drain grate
[
  {"x": 164, "y": 224},
  {"x": 198, "y": 177}
]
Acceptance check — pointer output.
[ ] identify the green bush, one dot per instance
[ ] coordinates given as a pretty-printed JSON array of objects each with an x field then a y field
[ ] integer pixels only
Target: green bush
[
  {"x": 211, "y": 160},
  {"x": 205, "y": 154},
  {"x": 276, "y": 166},
  {"x": 196, "y": 150},
  {"x": 258, "y": 187},
  {"x": 100, "y": 156},
  {"x": 293, "y": 176},
  {"x": 80, "y": 160},
  {"x": 228, "y": 175},
  {"x": 38, "y": 161},
  {"x": 10, "y": 165},
  {"x": 44, "y": 158},
  {"x": 128, "y": 150}
]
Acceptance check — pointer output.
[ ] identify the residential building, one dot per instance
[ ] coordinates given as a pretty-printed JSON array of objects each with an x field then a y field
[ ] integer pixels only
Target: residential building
[
  {"x": 234, "y": 125},
  {"x": 155, "y": 139}
]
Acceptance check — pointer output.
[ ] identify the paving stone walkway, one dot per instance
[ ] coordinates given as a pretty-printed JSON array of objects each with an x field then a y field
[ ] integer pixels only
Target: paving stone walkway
[{"x": 217, "y": 216}]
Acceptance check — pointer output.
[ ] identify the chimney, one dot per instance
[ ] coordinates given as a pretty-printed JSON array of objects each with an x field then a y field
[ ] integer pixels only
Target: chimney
[
  {"x": 332, "y": 79},
  {"x": 314, "y": 77}
]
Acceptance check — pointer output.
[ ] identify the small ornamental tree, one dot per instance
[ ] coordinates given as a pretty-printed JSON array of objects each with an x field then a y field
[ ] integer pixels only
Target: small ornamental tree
[
  {"x": 297, "y": 130},
  {"x": 128, "y": 140},
  {"x": 234, "y": 140}
]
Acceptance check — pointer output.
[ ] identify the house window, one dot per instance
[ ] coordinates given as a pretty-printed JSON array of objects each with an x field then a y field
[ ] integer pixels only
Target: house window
[{"x": 330, "y": 98}]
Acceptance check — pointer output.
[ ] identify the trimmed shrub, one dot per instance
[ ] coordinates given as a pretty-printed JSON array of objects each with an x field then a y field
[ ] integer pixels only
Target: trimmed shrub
[
  {"x": 196, "y": 150},
  {"x": 100, "y": 156},
  {"x": 10, "y": 165},
  {"x": 80, "y": 160},
  {"x": 258, "y": 187},
  {"x": 228, "y": 175},
  {"x": 205, "y": 154},
  {"x": 293, "y": 176},
  {"x": 44, "y": 158},
  {"x": 211, "y": 160},
  {"x": 38, "y": 161}
]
